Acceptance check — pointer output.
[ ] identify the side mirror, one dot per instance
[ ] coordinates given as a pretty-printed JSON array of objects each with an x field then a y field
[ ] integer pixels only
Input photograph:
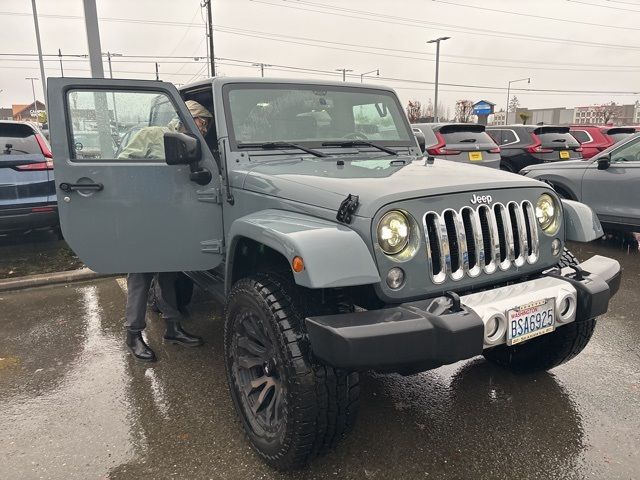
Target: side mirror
[
  {"x": 181, "y": 149},
  {"x": 604, "y": 162},
  {"x": 421, "y": 140}
]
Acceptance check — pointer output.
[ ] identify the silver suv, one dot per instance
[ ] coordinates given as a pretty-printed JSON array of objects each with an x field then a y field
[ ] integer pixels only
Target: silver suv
[
  {"x": 460, "y": 142},
  {"x": 334, "y": 244}
]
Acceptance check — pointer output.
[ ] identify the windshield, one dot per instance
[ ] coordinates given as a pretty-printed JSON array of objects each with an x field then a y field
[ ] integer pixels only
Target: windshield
[{"x": 313, "y": 114}]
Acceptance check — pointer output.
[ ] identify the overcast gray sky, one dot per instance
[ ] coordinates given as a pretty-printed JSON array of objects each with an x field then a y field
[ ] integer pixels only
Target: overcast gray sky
[{"x": 584, "y": 45}]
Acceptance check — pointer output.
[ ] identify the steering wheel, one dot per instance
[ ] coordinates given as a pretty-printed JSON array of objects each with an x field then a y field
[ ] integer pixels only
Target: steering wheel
[{"x": 356, "y": 136}]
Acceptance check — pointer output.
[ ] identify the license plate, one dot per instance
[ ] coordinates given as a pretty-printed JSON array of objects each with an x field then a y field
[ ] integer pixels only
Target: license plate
[
  {"x": 531, "y": 320},
  {"x": 564, "y": 154},
  {"x": 475, "y": 156}
]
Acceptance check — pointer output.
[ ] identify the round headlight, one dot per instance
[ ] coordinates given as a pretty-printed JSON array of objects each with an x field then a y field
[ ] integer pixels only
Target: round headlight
[
  {"x": 548, "y": 214},
  {"x": 393, "y": 232}
]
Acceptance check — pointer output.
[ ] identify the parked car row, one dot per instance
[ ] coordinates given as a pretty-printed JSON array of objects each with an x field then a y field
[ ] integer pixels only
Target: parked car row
[
  {"x": 27, "y": 190},
  {"x": 509, "y": 147},
  {"x": 608, "y": 182}
]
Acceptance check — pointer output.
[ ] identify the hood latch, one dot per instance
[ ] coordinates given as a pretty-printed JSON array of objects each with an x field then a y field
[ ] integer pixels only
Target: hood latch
[{"x": 347, "y": 208}]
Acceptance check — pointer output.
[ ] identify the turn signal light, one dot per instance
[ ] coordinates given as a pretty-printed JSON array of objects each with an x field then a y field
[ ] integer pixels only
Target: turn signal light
[{"x": 297, "y": 264}]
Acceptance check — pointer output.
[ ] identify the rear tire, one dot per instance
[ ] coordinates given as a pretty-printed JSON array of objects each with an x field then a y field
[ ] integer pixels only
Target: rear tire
[
  {"x": 292, "y": 408},
  {"x": 547, "y": 351}
]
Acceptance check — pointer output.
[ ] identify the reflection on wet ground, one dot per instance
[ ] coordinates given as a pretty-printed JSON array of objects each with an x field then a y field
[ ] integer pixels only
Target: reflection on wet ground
[{"x": 75, "y": 405}]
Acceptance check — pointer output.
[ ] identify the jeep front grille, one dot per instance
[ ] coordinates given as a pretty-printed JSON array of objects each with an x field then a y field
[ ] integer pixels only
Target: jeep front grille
[{"x": 482, "y": 239}]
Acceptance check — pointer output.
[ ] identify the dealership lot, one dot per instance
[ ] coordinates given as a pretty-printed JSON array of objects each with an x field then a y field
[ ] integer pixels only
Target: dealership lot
[{"x": 76, "y": 405}]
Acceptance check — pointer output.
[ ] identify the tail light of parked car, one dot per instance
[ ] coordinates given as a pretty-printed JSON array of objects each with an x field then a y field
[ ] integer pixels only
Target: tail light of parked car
[
  {"x": 495, "y": 150},
  {"x": 439, "y": 148},
  {"x": 46, "y": 152},
  {"x": 536, "y": 146}
]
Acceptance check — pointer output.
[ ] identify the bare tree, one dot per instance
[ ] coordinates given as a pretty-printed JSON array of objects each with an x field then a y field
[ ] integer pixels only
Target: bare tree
[
  {"x": 414, "y": 110},
  {"x": 464, "y": 109},
  {"x": 514, "y": 103},
  {"x": 608, "y": 112}
]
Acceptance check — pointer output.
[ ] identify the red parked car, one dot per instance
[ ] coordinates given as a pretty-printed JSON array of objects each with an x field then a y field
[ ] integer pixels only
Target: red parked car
[{"x": 596, "y": 138}]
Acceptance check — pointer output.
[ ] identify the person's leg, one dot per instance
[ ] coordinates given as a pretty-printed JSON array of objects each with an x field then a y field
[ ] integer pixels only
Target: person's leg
[
  {"x": 167, "y": 304},
  {"x": 137, "y": 292}
]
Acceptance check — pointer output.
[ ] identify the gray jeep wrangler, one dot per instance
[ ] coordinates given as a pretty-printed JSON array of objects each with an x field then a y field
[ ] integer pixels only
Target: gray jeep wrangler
[{"x": 335, "y": 245}]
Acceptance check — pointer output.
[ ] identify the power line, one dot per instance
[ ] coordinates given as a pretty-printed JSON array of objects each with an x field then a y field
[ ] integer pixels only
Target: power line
[
  {"x": 519, "y": 14},
  {"x": 604, "y": 6},
  {"x": 408, "y": 22}
]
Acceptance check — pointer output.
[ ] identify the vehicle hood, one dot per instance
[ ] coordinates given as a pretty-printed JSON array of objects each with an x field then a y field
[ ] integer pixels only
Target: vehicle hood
[
  {"x": 565, "y": 164},
  {"x": 377, "y": 180}
]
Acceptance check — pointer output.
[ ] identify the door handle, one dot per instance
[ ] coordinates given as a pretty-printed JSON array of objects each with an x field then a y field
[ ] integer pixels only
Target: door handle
[{"x": 70, "y": 187}]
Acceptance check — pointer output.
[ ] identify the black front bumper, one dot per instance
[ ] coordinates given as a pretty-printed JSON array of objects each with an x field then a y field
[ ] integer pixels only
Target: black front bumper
[{"x": 409, "y": 335}]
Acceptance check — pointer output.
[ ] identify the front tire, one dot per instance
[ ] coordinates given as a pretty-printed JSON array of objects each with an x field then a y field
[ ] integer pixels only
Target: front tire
[
  {"x": 547, "y": 351},
  {"x": 291, "y": 407}
]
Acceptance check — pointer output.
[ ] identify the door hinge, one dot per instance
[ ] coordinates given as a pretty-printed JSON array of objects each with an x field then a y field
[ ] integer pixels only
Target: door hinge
[
  {"x": 210, "y": 195},
  {"x": 212, "y": 246}
]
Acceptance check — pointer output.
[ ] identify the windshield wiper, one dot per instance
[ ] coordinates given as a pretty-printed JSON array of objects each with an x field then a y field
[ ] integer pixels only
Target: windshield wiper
[
  {"x": 560, "y": 140},
  {"x": 359, "y": 143},
  {"x": 276, "y": 145},
  {"x": 468, "y": 140}
]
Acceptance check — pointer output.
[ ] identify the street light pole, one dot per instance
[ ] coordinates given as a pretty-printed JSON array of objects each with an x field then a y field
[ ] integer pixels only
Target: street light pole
[
  {"x": 93, "y": 38},
  {"x": 506, "y": 116},
  {"x": 344, "y": 73},
  {"x": 435, "y": 103},
  {"x": 33, "y": 90},
  {"x": 42, "y": 75},
  {"x": 377, "y": 70}
]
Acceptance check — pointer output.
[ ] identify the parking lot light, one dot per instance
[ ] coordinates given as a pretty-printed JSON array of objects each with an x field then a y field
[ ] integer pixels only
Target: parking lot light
[{"x": 435, "y": 103}]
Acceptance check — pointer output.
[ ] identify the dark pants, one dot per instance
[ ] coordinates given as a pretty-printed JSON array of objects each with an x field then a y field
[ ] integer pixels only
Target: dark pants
[{"x": 138, "y": 285}]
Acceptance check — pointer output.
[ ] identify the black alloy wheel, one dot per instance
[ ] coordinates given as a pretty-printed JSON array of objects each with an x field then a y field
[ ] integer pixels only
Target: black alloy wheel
[
  {"x": 256, "y": 373},
  {"x": 292, "y": 407}
]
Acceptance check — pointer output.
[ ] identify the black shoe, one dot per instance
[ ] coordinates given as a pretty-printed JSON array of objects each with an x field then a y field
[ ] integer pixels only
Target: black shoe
[
  {"x": 175, "y": 334},
  {"x": 139, "y": 348}
]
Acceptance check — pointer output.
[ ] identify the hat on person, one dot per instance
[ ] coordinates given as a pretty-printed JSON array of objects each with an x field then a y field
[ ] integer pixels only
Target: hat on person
[{"x": 197, "y": 110}]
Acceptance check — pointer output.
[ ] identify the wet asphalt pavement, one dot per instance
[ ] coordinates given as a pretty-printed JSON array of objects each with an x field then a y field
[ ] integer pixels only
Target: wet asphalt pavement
[{"x": 74, "y": 404}]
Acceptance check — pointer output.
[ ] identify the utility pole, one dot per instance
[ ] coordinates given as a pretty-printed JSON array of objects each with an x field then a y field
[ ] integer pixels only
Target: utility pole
[
  {"x": 506, "y": 115},
  {"x": 344, "y": 73},
  {"x": 93, "y": 38},
  {"x": 60, "y": 58},
  {"x": 435, "y": 103},
  {"x": 261, "y": 65},
  {"x": 377, "y": 70},
  {"x": 210, "y": 23},
  {"x": 33, "y": 90},
  {"x": 157, "y": 74},
  {"x": 42, "y": 75},
  {"x": 109, "y": 55}
]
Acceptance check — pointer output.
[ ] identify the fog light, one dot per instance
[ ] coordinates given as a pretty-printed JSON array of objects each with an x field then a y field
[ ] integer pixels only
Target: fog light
[
  {"x": 556, "y": 247},
  {"x": 566, "y": 308},
  {"x": 395, "y": 278},
  {"x": 491, "y": 328},
  {"x": 495, "y": 327}
]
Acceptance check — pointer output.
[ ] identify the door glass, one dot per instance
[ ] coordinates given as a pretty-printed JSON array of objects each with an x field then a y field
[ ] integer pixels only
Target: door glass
[
  {"x": 120, "y": 125},
  {"x": 629, "y": 152},
  {"x": 581, "y": 136}
]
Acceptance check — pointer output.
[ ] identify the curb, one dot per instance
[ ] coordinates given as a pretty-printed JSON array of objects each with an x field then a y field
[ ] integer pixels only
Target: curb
[{"x": 56, "y": 278}]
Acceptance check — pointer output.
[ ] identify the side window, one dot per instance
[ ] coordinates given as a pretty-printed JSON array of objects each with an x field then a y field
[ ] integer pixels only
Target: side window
[
  {"x": 375, "y": 121},
  {"x": 120, "y": 125},
  {"x": 509, "y": 137},
  {"x": 581, "y": 136},
  {"x": 496, "y": 135},
  {"x": 629, "y": 152}
]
